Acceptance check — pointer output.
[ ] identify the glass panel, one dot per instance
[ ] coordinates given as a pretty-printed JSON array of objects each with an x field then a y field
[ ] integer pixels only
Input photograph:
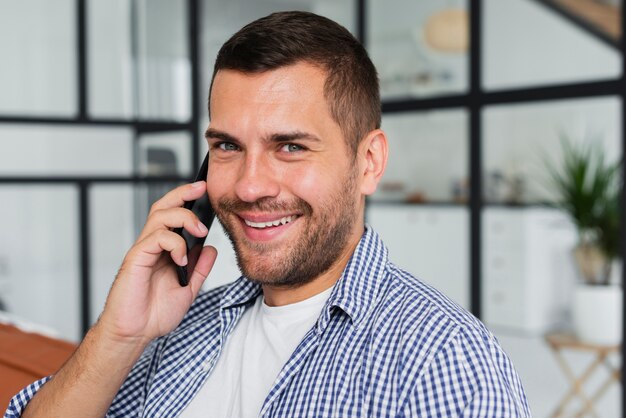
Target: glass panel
[
  {"x": 39, "y": 277},
  {"x": 222, "y": 19},
  {"x": 110, "y": 59},
  {"x": 44, "y": 150},
  {"x": 518, "y": 138},
  {"x": 530, "y": 277},
  {"x": 427, "y": 157},
  {"x": 423, "y": 241},
  {"x": 139, "y": 68},
  {"x": 419, "y": 47},
  {"x": 38, "y": 71},
  {"x": 164, "y": 71},
  {"x": 165, "y": 154},
  {"x": 112, "y": 231},
  {"x": 160, "y": 154},
  {"x": 527, "y": 44}
]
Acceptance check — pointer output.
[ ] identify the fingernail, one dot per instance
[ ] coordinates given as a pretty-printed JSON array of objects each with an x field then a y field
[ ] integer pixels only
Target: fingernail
[
  {"x": 202, "y": 228},
  {"x": 197, "y": 184},
  {"x": 185, "y": 261}
]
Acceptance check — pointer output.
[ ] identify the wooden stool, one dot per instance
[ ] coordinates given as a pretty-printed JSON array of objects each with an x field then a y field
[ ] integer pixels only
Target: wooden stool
[{"x": 559, "y": 342}]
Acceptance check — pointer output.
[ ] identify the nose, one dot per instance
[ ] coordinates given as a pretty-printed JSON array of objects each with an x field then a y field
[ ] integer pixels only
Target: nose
[{"x": 256, "y": 179}]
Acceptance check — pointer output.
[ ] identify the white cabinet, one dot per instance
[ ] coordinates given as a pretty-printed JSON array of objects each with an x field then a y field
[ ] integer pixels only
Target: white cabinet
[{"x": 528, "y": 272}]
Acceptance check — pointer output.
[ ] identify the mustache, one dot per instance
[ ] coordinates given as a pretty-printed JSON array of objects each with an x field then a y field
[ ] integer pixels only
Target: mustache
[{"x": 265, "y": 204}]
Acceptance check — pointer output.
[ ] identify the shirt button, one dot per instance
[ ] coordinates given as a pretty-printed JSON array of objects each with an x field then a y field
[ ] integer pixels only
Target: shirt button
[{"x": 206, "y": 366}]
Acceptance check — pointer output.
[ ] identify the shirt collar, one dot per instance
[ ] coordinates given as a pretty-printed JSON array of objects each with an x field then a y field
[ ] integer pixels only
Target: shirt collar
[
  {"x": 240, "y": 292},
  {"x": 354, "y": 293},
  {"x": 359, "y": 286}
]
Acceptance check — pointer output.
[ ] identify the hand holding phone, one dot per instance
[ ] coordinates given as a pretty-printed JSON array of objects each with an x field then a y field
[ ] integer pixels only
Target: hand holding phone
[{"x": 204, "y": 211}]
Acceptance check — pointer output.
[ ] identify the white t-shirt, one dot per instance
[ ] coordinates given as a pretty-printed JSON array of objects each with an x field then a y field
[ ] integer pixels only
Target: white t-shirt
[{"x": 256, "y": 351}]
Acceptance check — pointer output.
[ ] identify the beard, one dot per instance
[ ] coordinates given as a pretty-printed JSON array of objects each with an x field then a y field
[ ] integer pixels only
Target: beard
[{"x": 327, "y": 232}]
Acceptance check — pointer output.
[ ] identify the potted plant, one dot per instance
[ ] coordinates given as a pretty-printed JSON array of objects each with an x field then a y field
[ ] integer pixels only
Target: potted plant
[{"x": 588, "y": 190}]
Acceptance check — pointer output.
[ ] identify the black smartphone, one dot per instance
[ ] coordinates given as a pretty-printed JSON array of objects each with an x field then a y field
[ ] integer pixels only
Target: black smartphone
[{"x": 204, "y": 211}]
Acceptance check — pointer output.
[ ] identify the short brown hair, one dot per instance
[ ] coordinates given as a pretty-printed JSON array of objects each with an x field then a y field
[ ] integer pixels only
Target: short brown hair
[{"x": 285, "y": 38}]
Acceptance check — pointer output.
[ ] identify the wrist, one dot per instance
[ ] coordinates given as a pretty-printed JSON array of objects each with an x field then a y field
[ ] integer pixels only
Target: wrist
[{"x": 124, "y": 350}]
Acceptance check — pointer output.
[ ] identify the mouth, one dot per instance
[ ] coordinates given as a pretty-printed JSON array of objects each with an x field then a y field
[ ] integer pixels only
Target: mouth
[
  {"x": 270, "y": 223},
  {"x": 267, "y": 227}
]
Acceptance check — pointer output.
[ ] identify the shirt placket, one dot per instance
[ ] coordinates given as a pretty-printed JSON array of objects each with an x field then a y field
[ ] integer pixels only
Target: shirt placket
[
  {"x": 200, "y": 364},
  {"x": 290, "y": 370}
]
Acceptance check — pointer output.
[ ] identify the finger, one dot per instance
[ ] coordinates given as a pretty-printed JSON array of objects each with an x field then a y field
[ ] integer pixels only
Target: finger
[
  {"x": 147, "y": 252},
  {"x": 178, "y": 196},
  {"x": 202, "y": 268},
  {"x": 174, "y": 218}
]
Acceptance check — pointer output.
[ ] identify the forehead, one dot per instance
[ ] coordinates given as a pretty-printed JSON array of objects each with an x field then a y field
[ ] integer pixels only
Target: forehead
[
  {"x": 300, "y": 82},
  {"x": 289, "y": 98}
]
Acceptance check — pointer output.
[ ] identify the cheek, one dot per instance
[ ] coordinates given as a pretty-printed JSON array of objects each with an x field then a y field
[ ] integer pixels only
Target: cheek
[
  {"x": 218, "y": 183},
  {"x": 314, "y": 184}
]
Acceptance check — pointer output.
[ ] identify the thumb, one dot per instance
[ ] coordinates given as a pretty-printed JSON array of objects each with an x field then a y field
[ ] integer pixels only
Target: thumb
[{"x": 202, "y": 268}]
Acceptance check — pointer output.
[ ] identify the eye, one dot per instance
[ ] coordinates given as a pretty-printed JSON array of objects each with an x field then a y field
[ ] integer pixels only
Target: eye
[
  {"x": 291, "y": 148},
  {"x": 226, "y": 146}
]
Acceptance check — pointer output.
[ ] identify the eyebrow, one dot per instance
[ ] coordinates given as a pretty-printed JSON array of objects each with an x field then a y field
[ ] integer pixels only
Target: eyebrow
[
  {"x": 212, "y": 133},
  {"x": 292, "y": 136},
  {"x": 277, "y": 137}
]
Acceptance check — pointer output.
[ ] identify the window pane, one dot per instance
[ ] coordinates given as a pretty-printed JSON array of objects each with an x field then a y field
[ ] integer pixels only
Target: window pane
[
  {"x": 139, "y": 60},
  {"x": 164, "y": 71},
  {"x": 165, "y": 154},
  {"x": 41, "y": 150},
  {"x": 424, "y": 240},
  {"x": 113, "y": 232},
  {"x": 427, "y": 157},
  {"x": 419, "y": 47},
  {"x": 527, "y": 44},
  {"x": 38, "y": 50},
  {"x": 39, "y": 278},
  {"x": 110, "y": 57},
  {"x": 160, "y": 154},
  {"x": 519, "y": 138}
]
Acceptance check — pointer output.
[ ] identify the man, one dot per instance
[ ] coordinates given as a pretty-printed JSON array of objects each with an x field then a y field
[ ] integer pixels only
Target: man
[{"x": 321, "y": 324}]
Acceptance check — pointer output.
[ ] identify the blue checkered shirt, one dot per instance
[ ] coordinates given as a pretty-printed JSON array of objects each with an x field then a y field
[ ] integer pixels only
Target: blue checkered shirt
[{"x": 385, "y": 344}]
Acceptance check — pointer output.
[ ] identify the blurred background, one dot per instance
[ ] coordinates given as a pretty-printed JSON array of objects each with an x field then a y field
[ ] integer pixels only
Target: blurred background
[{"x": 505, "y": 120}]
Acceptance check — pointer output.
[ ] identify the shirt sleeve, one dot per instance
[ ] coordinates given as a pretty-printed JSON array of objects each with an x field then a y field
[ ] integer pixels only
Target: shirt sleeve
[
  {"x": 471, "y": 377},
  {"x": 19, "y": 401}
]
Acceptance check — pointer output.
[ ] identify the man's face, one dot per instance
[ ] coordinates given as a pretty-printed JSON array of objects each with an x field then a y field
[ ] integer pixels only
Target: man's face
[{"x": 282, "y": 179}]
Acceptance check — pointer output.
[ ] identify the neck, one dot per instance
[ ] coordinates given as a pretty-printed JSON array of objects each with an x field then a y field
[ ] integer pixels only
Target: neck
[{"x": 280, "y": 296}]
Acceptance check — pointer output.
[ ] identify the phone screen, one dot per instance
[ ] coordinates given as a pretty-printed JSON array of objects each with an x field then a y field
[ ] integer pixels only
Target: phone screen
[{"x": 204, "y": 211}]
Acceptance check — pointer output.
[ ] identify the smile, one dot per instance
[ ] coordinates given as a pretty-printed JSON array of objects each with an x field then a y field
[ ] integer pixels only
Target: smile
[{"x": 262, "y": 225}]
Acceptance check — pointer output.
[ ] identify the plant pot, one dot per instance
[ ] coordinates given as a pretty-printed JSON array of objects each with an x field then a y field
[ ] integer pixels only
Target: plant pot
[
  {"x": 593, "y": 264},
  {"x": 597, "y": 313}
]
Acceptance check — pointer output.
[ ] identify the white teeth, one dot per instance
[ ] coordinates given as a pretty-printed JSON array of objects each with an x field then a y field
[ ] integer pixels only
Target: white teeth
[{"x": 261, "y": 225}]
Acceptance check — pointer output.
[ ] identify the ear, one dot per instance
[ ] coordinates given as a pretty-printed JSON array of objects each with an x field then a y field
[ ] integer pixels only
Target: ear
[{"x": 372, "y": 156}]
